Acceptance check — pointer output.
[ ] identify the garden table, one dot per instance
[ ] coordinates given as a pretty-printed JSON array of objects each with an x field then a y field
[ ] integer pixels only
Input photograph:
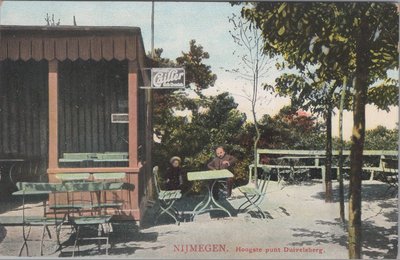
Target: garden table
[{"x": 210, "y": 178}]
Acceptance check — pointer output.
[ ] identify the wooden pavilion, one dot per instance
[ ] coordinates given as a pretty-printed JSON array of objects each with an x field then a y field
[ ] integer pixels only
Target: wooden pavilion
[{"x": 59, "y": 90}]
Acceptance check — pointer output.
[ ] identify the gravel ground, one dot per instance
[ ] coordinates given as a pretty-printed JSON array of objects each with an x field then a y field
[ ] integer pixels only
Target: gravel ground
[{"x": 299, "y": 225}]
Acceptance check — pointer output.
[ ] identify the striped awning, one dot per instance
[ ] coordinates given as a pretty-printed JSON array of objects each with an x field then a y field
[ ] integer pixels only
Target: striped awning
[{"x": 70, "y": 43}]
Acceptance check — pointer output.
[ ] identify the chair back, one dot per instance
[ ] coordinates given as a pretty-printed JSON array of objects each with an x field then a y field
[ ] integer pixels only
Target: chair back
[
  {"x": 266, "y": 176},
  {"x": 70, "y": 177},
  {"x": 155, "y": 176},
  {"x": 109, "y": 176}
]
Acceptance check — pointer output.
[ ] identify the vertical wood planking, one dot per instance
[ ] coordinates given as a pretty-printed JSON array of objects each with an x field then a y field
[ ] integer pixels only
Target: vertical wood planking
[
  {"x": 100, "y": 112},
  {"x": 107, "y": 111},
  {"x": 6, "y": 88},
  {"x": 12, "y": 114},
  {"x": 113, "y": 109},
  {"x": 86, "y": 104},
  {"x": 2, "y": 97},
  {"x": 23, "y": 128},
  {"x": 28, "y": 112},
  {"x": 36, "y": 97},
  {"x": 74, "y": 107},
  {"x": 69, "y": 137},
  {"x": 22, "y": 100},
  {"x": 95, "y": 73},
  {"x": 81, "y": 111}
]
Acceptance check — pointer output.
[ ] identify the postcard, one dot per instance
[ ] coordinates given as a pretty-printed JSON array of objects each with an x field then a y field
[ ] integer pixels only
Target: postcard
[{"x": 199, "y": 130}]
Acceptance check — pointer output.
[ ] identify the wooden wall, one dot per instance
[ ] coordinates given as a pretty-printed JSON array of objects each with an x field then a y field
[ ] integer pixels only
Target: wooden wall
[
  {"x": 88, "y": 93},
  {"x": 23, "y": 109}
]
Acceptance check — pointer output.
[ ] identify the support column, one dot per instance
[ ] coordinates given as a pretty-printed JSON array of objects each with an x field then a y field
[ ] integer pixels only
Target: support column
[
  {"x": 53, "y": 114},
  {"x": 133, "y": 113}
]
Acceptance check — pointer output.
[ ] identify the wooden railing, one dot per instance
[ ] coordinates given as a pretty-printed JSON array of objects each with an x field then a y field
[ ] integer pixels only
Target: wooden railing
[{"x": 316, "y": 156}]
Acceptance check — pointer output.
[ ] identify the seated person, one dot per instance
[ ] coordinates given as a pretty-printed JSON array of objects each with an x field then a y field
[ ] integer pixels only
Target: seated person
[
  {"x": 174, "y": 176},
  {"x": 223, "y": 161}
]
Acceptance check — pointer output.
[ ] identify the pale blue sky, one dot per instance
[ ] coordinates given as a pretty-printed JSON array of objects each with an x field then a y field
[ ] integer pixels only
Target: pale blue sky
[{"x": 175, "y": 25}]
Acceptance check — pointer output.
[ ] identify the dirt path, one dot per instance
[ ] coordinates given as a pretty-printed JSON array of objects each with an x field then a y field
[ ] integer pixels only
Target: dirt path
[{"x": 299, "y": 225}]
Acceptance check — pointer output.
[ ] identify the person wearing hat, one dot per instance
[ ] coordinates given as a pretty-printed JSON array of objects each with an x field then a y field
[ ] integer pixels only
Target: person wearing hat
[{"x": 174, "y": 176}]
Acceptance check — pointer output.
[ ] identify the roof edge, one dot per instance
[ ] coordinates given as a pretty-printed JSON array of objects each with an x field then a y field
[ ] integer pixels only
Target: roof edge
[{"x": 69, "y": 28}]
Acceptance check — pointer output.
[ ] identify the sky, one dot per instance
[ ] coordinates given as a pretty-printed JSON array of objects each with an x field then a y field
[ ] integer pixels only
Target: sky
[{"x": 175, "y": 25}]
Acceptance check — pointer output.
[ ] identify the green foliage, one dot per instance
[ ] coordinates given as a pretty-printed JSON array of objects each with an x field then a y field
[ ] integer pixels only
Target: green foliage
[
  {"x": 289, "y": 129},
  {"x": 385, "y": 94},
  {"x": 381, "y": 138},
  {"x": 197, "y": 73},
  {"x": 195, "y": 140},
  {"x": 325, "y": 36}
]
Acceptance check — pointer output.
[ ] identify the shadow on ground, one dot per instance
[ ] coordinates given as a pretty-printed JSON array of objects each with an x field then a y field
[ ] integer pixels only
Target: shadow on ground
[
  {"x": 124, "y": 240},
  {"x": 370, "y": 192},
  {"x": 378, "y": 241},
  {"x": 185, "y": 205}
]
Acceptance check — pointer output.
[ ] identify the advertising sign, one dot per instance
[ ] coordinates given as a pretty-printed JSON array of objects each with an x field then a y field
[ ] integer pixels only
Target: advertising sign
[{"x": 167, "y": 78}]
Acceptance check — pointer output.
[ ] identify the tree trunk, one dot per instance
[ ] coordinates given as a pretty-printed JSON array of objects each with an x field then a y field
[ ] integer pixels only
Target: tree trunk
[
  {"x": 328, "y": 152},
  {"x": 256, "y": 140},
  {"x": 253, "y": 111},
  {"x": 258, "y": 134},
  {"x": 357, "y": 145},
  {"x": 340, "y": 177}
]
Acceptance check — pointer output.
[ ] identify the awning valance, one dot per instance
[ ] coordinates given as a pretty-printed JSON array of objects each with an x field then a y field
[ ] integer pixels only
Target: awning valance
[{"x": 70, "y": 42}]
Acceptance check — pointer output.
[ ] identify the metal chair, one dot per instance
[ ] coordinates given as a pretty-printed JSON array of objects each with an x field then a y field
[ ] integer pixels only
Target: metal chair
[
  {"x": 390, "y": 174},
  {"x": 98, "y": 221},
  {"x": 27, "y": 222},
  {"x": 166, "y": 199},
  {"x": 254, "y": 196},
  {"x": 72, "y": 206},
  {"x": 109, "y": 177}
]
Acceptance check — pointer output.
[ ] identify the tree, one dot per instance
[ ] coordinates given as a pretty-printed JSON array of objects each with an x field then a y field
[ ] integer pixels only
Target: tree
[
  {"x": 289, "y": 129},
  {"x": 381, "y": 138},
  {"x": 357, "y": 39},
  {"x": 253, "y": 65},
  {"x": 50, "y": 21},
  {"x": 341, "y": 148},
  {"x": 308, "y": 92},
  {"x": 197, "y": 73},
  {"x": 191, "y": 125},
  {"x": 213, "y": 121}
]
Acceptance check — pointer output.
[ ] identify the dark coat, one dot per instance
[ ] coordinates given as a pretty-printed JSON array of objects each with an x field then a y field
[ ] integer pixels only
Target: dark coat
[
  {"x": 174, "y": 178},
  {"x": 216, "y": 163}
]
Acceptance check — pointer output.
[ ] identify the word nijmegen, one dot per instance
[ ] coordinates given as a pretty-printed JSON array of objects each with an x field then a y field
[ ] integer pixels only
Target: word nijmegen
[{"x": 250, "y": 250}]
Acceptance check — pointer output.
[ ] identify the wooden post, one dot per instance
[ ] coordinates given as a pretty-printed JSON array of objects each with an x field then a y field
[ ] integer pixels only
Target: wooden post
[
  {"x": 53, "y": 114},
  {"x": 133, "y": 115}
]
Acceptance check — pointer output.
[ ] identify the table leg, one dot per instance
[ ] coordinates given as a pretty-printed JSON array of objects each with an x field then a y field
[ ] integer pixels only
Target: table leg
[
  {"x": 218, "y": 206},
  {"x": 202, "y": 204},
  {"x": 210, "y": 202}
]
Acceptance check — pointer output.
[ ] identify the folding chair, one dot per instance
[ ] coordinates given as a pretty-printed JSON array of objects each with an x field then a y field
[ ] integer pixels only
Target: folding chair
[
  {"x": 254, "y": 196},
  {"x": 98, "y": 221},
  {"x": 390, "y": 174},
  {"x": 109, "y": 177},
  {"x": 166, "y": 199},
  {"x": 27, "y": 222},
  {"x": 70, "y": 207}
]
